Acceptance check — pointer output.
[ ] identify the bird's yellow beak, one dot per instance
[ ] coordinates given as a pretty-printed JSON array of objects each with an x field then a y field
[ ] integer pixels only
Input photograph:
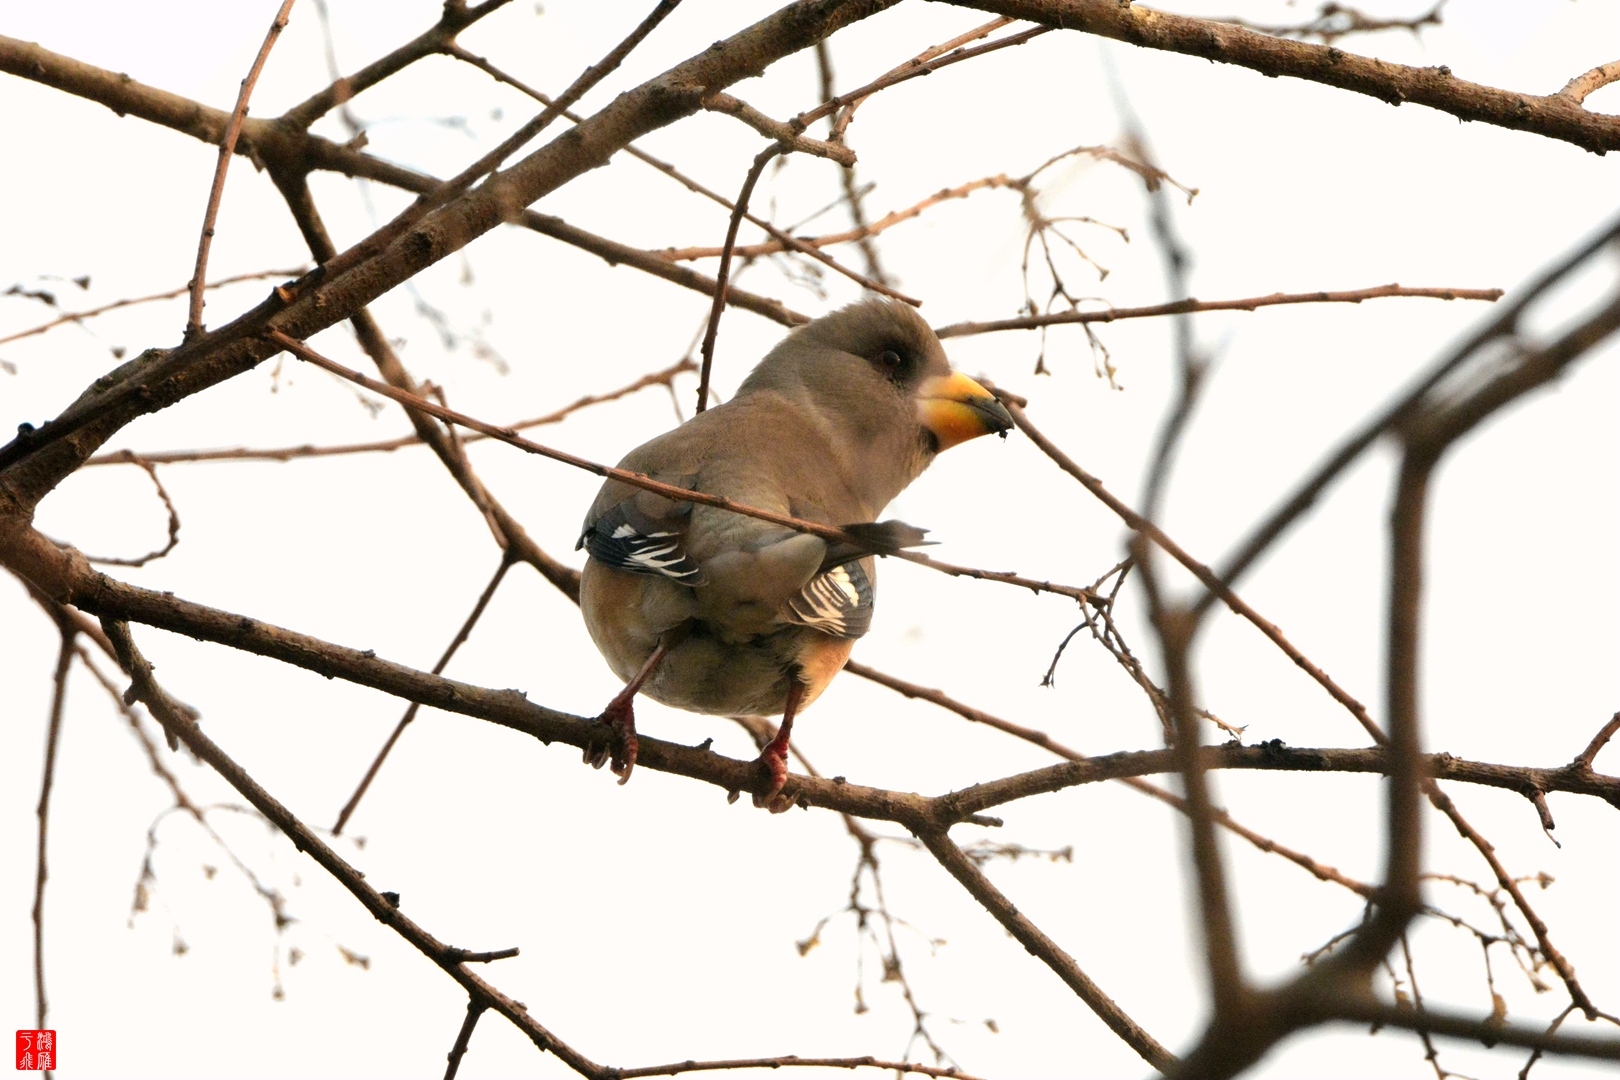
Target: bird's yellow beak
[{"x": 956, "y": 409}]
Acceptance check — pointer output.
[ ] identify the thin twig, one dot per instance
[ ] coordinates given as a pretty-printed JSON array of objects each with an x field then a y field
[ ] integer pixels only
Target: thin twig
[
  {"x": 656, "y": 262},
  {"x": 131, "y": 458},
  {"x": 778, "y": 130},
  {"x": 1190, "y": 305},
  {"x": 1138, "y": 523},
  {"x": 170, "y": 294},
  {"x": 913, "y": 69},
  {"x": 663, "y": 377},
  {"x": 1337, "y": 20},
  {"x": 1584, "y": 759},
  {"x": 1045, "y": 741},
  {"x": 305, "y": 839},
  {"x": 647, "y": 483},
  {"x": 410, "y": 712},
  {"x": 462, "y": 181},
  {"x": 227, "y": 148},
  {"x": 475, "y": 1009},
  {"x": 853, "y": 192},
  {"x": 794, "y": 1061},
  {"x": 455, "y": 17},
  {"x": 971, "y": 878},
  {"x": 763, "y": 158},
  {"x": 47, "y": 779}
]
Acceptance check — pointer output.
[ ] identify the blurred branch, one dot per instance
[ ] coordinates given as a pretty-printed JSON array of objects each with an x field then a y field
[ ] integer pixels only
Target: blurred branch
[
  {"x": 184, "y": 727},
  {"x": 90, "y": 313},
  {"x": 1334, "y": 21},
  {"x": 1502, "y": 321}
]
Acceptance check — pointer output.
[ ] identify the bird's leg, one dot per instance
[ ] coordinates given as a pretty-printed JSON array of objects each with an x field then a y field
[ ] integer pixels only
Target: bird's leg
[
  {"x": 620, "y": 715},
  {"x": 773, "y": 759}
]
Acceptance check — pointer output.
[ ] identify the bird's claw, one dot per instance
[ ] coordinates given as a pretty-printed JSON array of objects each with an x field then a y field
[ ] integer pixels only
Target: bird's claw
[
  {"x": 618, "y": 746},
  {"x": 625, "y": 747},
  {"x": 769, "y": 796}
]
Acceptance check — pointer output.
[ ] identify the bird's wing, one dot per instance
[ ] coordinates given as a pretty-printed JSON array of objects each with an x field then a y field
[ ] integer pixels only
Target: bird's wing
[
  {"x": 838, "y": 602},
  {"x": 633, "y": 537}
]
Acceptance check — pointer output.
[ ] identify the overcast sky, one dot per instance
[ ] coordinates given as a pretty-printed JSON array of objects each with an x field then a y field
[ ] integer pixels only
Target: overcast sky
[{"x": 657, "y": 923}]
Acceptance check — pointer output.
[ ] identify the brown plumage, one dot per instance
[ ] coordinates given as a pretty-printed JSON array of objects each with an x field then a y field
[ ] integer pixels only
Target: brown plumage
[{"x": 716, "y": 612}]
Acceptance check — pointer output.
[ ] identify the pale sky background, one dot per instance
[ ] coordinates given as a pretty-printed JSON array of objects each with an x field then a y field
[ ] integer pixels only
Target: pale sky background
[{"x": 656, "y": 923}]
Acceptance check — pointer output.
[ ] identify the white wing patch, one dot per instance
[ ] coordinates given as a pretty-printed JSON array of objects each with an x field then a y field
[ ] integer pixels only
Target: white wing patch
[
  {"x": 659, "y": 552},
  {"x": 836, "y": 602},
  {"x": 628, "y": 540}
]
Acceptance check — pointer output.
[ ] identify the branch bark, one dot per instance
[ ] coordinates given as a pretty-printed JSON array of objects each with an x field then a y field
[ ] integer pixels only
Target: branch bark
[{"x": 1553, "y": 116}]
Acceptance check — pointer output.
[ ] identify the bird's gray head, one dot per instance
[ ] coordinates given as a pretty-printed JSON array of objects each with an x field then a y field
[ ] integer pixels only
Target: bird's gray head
[{"x": 877, "y": 371}]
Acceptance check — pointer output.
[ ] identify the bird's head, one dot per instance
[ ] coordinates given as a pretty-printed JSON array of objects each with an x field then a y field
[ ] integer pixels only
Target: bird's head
[{"x": 877, "y": 370}]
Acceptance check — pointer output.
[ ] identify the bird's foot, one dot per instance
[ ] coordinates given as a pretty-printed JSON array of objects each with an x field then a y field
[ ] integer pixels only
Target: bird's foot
[
  {"x": 619, "y": 745},
  {"x": 772, "y": 766}
]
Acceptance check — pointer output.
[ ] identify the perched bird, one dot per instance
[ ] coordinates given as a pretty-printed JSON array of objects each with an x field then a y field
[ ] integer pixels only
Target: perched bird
[{"x": 713, "y": 611}]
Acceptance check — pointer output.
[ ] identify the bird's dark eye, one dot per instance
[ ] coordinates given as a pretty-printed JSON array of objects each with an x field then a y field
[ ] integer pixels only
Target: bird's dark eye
[{"x": 889, "y": 360}]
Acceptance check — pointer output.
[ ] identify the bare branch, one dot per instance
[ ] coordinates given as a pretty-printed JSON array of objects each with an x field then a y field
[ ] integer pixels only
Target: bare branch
[
  {"x": 163, "y": 379},
  {"x": 227, "y": 147},
  {"x": 276, "y": 143},
  {"x": 1043, "y": 948},
  {"x": 53, "y": 733},
  {"x": 794, "y": 1061},
  {"x": 1583, "y": 760},
  {"x": 439, "y": 38},
  {"x": 90, "y": 313},
  {"x": 131, "y": 458},
  {"x": 647, "y": 483},
  {"x": 763, "y": 158},
  {"x": 184, "y": 728},
  {"x": 1553, "y": 117},
  {"x": 784, "y": 133},
  {"x": 663, "y": 377},
  {"x": 1188, "y": 306},
  {"x": 1335, "y": 20},
  {"x": 475, "y": 1009},
  {"x": 410, "y": 713},
  {"x": 1581, "y": 85}
]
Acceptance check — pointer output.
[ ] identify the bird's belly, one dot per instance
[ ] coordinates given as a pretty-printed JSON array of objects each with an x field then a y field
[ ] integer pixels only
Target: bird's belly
[
  {"x": 705, "y": 673},
  {"x": 714, "y": 668}
]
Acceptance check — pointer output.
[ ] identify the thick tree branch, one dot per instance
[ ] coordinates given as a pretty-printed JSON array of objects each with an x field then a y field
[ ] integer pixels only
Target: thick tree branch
[
  {"x": 1553, "y": 116},
  {"x": 158, "y": 380},
  {"x": 276, "y": 141}
]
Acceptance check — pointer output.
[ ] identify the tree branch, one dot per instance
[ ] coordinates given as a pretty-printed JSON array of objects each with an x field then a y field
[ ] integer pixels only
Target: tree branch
[{"x": 1552, "y": 116}]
